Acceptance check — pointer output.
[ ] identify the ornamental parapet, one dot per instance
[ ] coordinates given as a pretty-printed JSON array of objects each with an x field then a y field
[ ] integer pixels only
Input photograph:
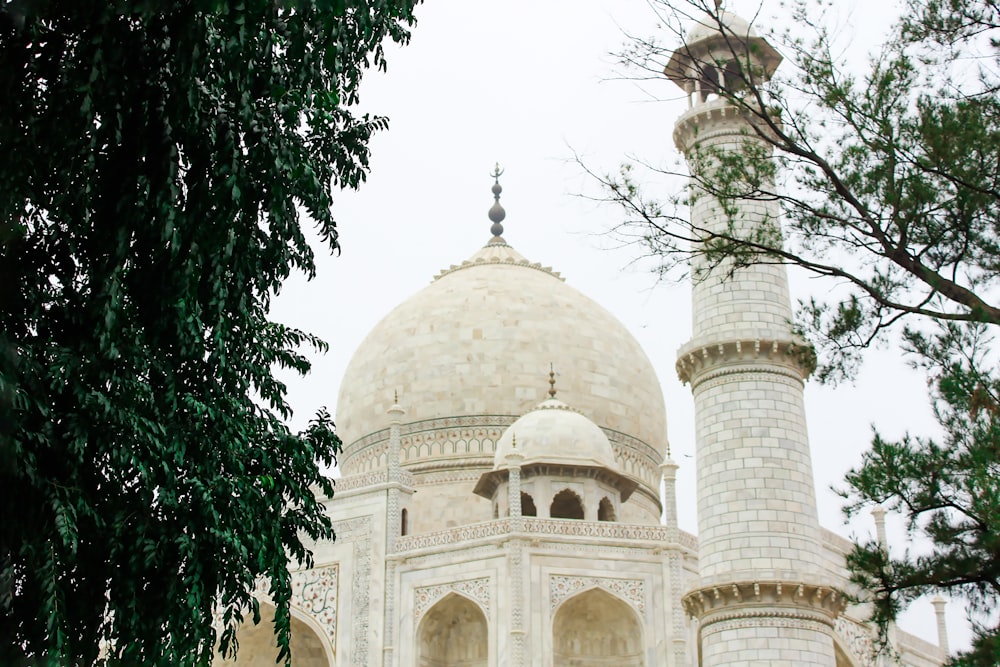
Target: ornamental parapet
[
  {"x": 721, "y": 602},
  {"x": 639, "y": 535},
  {"x": 697, "y": 362}
]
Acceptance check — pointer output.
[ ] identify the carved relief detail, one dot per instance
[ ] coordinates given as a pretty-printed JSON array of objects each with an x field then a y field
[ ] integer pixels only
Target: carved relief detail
[
  {"x": 858, "y": 640},
  {"x": 630, "y": 590},
  {"x": 427, "y": 596},
  {"x": 650, "y": 535}
]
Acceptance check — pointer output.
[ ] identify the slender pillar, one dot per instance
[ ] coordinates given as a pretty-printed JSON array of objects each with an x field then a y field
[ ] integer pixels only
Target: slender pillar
[
  {"x": 516, "y": 557},
  {"x": 393, "y": 529},
  {"x": 761, "y": 571},
  {"x": 668, "y": 469},
  {"x": 942, "y": 628},
  {"x": 878, "y": 514}
]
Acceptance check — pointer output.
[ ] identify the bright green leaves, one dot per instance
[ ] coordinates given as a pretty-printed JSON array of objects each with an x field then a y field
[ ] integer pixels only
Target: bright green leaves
[{"x": 167, "y": 155}]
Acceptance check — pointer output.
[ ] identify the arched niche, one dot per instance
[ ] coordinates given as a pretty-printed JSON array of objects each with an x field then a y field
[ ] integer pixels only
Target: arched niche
[
  {"x": 258, "y": 646},
  {"x": 566, "y": 505},
  {"x": 606, "y": 510},
  {"x": 453, "y": 633},
  {"x": 596, "y": 629}
]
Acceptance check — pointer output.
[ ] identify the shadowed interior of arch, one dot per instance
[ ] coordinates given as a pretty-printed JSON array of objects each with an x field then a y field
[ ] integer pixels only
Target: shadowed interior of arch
[{"x": 566, "y": 505}]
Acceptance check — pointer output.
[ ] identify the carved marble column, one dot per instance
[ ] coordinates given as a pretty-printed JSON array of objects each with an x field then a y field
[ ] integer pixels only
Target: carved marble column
[{"x": 515, "y": 557}]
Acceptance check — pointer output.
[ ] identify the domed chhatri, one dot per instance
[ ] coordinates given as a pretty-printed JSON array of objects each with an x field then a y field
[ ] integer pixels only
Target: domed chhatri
[{"x": 556, "y": 433}]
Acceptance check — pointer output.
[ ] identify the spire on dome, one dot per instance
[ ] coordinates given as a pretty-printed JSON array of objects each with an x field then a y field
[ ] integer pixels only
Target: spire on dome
[
  {"x": 497, "y": 214},
  {"x": 552, "y": 382}
]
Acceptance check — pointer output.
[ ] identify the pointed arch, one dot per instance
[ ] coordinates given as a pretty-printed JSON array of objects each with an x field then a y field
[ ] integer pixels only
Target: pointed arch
[
  {"x": 566, "y": 505},
  {"x": 453, "y": 633},
  {"x": 595, "y": 628},
  {"x": 259, "y": 648}
]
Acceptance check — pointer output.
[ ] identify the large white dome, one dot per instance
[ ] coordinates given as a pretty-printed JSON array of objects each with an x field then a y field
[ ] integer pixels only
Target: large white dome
[{"x": 479, "y": 341}]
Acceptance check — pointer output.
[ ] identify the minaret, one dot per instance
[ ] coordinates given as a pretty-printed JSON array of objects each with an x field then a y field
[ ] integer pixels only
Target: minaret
[{"x": 762, "y": 596}]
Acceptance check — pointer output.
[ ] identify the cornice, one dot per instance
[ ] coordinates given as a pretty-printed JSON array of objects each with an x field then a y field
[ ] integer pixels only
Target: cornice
[
  {"x": 740, "y": 599},
  {"x": 698, "y": 362}
]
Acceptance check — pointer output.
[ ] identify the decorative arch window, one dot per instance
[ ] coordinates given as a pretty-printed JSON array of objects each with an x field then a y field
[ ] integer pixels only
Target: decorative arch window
[
  {"x": 528, "y": 505},
  {"x": 606, "y": 510},
  {"x": 404, "y": 517},
  {"x": 566, "y": 505}
]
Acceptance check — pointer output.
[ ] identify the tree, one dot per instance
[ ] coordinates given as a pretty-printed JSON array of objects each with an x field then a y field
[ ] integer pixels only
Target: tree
[
  {"x": 161, "y": 161},
  {"x": 888, "y": 184}
]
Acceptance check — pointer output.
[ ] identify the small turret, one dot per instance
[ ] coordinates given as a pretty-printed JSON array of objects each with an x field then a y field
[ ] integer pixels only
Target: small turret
[{"x": 721, "y": 49}]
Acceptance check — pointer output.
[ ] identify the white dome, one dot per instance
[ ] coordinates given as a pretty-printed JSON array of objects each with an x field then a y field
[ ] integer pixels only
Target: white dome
[
  {"x": 478, "y": 341},
  {"x": 708, "y": 26},
  {"x": 555, "y": 433}
]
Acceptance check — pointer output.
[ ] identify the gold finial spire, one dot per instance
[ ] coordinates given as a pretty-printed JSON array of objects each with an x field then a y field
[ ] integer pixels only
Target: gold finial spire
[
  {"x": 395, "y": 396},
  {"x": 513, "y": 440},
  {"x": 552, "y": 382}
]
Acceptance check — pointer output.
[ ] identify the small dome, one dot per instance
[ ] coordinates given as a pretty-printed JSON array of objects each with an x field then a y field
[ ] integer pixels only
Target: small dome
[
  {"x": 708, "y": 26},
  {"x": 555, "y": 433}
]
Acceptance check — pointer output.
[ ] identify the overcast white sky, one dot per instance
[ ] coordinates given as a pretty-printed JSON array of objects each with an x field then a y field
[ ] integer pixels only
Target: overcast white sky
[{"x": 528, "y": 83}]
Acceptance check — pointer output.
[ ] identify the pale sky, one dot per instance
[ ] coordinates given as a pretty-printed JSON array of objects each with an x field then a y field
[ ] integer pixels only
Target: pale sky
[{"x": 528, "y": 83}]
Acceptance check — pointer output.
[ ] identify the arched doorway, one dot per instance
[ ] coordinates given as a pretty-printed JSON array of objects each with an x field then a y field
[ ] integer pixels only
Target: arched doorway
[
  {"x": 453, "y": 633},
  {"x": 259, "y": 648},
  {"x": 596, "y": 629}
]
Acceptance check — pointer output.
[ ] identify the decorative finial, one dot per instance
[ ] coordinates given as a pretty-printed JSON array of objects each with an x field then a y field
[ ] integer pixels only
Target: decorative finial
[
  {"x": 552, "y": 382},
  {"x": 497, "y": 214},
  {"x": 718, "y": 5},
  {"x": 395, "y": 396},
  {"x": 513, "y": 440}
]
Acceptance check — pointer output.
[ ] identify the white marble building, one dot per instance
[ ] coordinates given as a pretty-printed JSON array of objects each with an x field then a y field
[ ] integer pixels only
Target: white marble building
[{"x": 492, "y": 513}]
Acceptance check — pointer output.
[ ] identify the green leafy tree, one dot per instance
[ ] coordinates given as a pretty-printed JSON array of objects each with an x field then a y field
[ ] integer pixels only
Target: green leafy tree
[
  {"x": 159, "y": 163},
  {"x": 888, "y": 184}
]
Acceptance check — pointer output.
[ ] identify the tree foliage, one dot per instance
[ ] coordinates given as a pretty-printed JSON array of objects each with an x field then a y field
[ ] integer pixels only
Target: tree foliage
[
  {"x": 888, "y": 183},
  {"x": 161, "y": 160}
]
